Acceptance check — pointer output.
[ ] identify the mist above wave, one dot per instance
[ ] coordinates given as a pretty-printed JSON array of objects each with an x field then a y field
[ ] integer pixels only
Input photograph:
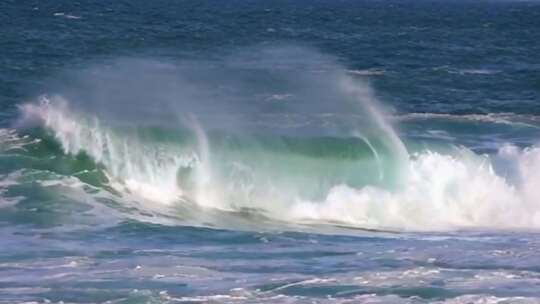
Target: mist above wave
[{"x": 253, "y": 135}]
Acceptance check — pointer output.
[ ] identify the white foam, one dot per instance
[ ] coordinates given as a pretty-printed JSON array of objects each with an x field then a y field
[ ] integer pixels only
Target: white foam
[
  {"x": 367, "y": 72},
  {"x": 11, "y": 141},
  {"x": 5, "y": 182},
  {"x": 67, "y": 16},
  {"x": 478, "y": 71},
  {"x": 441, "y": 192},
  {"x": 485, "y": 299}
]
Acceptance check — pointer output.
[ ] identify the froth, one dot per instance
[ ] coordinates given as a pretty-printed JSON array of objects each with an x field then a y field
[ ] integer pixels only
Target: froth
[{"x": 442, "y": 192}]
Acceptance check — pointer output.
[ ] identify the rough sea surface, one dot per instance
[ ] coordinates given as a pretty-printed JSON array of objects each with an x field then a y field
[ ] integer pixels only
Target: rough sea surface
[{"x": 245, "y": 151}]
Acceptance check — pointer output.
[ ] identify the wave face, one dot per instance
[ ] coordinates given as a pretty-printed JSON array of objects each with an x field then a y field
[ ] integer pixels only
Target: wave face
[{"x": 250, "y": 134}]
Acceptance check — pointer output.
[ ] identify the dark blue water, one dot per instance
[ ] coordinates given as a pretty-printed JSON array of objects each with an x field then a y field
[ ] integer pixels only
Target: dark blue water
[{"x": 269, "y": 151}]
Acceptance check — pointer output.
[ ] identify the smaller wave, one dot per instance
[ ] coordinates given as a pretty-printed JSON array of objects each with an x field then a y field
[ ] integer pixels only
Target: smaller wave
[
  {"x": 240, "y": 295},
  {"x": 526, "y": 120},
  {"x": 67, "y": 16},
  {"x": 279, "y": 97},
  {"x": 5, "y": 182},
  {"x": 467, "y": 71},
  {"x": 478, "y": 71},
  {"x": 367, "y": 72}
]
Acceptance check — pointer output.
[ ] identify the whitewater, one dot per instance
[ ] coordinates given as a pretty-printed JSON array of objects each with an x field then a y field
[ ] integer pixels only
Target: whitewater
[{"x": 383, "y": 187}]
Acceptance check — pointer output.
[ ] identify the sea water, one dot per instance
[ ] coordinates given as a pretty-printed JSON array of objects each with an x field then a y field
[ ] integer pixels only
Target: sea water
[{"x": 270, "y": 152}]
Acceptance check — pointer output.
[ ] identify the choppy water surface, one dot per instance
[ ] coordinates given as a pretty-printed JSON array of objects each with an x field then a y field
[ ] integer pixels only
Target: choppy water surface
[{"x": 270, "y": 152}]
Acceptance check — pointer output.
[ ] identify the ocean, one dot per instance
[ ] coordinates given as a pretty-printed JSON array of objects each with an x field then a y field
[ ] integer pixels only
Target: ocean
[{"x": 248, "y": 151}]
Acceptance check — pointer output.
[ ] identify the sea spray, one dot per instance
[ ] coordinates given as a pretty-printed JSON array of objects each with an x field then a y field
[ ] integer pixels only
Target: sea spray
[
  {"x": 214, "y": 134},
  {"x": 441, "y": 191}
]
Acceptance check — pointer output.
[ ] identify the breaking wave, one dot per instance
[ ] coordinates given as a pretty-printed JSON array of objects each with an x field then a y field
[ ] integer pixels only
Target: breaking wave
[
  {"x": 438, "y": 192},
  {"x": 279, "y": 156}
]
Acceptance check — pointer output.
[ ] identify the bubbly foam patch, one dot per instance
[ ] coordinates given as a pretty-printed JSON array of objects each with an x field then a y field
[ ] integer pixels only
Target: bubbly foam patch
[{"x": 10, "y": 141}]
